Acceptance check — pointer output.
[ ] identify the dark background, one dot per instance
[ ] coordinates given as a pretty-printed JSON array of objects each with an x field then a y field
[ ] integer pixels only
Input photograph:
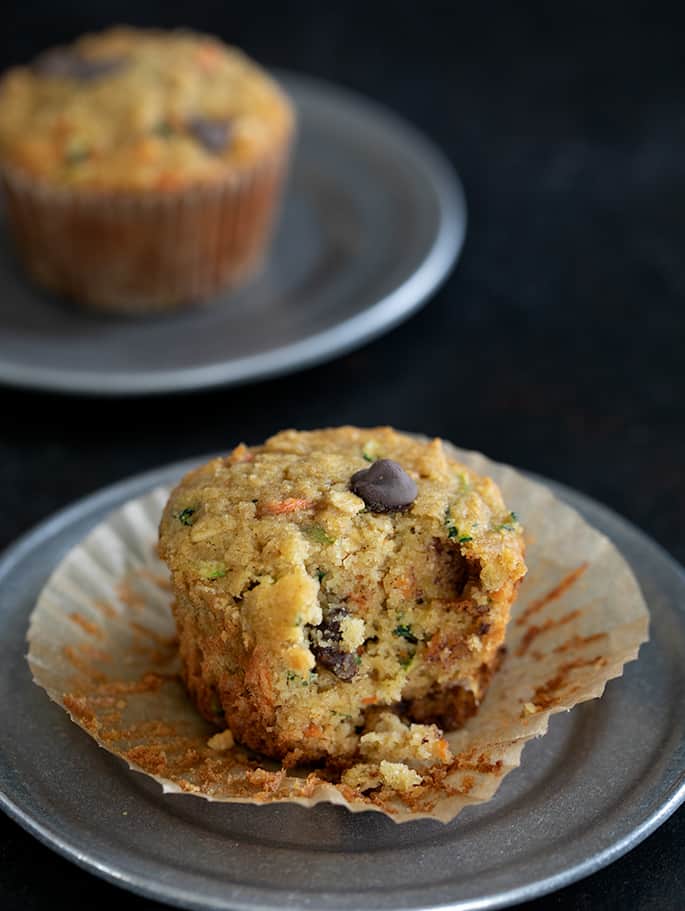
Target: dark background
[{"x": 556, "y": 345}]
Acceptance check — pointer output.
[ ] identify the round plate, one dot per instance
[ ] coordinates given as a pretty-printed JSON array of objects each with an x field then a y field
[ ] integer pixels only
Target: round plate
[
  {"x": 602, "y": 779},
  {"x": 374, "y": 218}
]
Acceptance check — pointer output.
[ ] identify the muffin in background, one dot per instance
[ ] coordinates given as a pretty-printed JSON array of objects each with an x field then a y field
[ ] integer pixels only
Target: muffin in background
[{"x": 142, "y": 169}]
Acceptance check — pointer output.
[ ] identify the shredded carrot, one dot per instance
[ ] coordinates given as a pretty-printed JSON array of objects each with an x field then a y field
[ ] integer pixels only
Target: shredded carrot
[
  {"x": 312, "y": 730},
  {"x": 360, "y": 599},
  {"x": 368, "y": 700},
  {"x": 208, "y": 57},
  {"x": 406, "y": 585},
  {"x": 62, "y": 131},
  {"x": 280, "y": 507},
  {"x": 240, "y": 454},
  {"x": 145, "y": 150},
  {"x": 168, "y": 180},
  {"x": 442, "y": 746}
]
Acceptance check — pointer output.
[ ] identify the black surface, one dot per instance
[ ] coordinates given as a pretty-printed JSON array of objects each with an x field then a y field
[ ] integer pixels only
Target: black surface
[{"x": 556, "y": 345}]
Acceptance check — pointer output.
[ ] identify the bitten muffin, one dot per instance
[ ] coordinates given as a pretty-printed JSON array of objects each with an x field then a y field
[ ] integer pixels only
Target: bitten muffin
[
  {"x": 341, "y": 594},
  {"x": 142, "y": 168}
]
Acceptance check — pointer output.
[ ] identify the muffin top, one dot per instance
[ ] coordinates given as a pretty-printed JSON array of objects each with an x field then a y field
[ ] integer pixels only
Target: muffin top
[
  {"x": 131, "y": 109},
  {"x": 358, "y": 513}
]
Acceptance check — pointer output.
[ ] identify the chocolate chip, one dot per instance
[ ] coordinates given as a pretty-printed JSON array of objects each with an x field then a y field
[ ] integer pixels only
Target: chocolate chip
[
  {"x": 385, "y": 486},
  {"x": 67, "y": 64},
  {"x": 58, "y": 62},
  {"x": 214, "y": 135},
  {"x": 325, "y": 646},
  {"x": 342, "y": 664},
  {"x": 85, "y": 70}
]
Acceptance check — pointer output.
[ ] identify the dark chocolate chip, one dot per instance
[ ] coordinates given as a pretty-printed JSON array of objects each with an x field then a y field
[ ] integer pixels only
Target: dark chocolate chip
[
  {"x": 58, "y": 62},
  {"x": 343, "y": 664},
  {"x": 385, "y": 486},
  {"x": 87, "y": 69},
  {"x": 67, "y": 64},
  {"x": 214, "y": 135}
]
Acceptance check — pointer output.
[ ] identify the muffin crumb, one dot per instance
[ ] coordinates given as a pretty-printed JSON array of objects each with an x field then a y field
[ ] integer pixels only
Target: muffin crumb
[
  {"x": 398, "y": 776},
  {"x": 222, "y": 741}
]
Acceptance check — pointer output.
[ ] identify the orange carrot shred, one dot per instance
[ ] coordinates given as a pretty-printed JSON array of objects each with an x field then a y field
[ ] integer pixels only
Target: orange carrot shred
[
  {"x": 280, "y": 507},
  {"x": 240, "y": 454}
]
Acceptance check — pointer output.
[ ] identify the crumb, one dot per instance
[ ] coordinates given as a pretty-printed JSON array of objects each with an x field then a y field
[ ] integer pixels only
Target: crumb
[
  {"x": 222, "y": 741},
  {"x": 399, "y": 776}
]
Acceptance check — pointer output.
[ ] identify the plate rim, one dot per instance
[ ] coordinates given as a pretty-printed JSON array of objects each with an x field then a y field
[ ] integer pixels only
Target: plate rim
[
  {"x": 112, "y": 496},
  {"x": 350, "y": 333}
]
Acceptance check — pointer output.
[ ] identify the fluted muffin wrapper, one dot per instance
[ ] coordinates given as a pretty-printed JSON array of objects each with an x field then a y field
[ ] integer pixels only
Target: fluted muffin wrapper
[
  {"x": 147, "y": 251},
  {"x": 102, "y": 644}
]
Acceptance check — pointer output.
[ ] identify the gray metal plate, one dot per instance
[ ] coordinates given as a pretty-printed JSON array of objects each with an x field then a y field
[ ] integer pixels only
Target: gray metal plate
[
  {"x": 601, "y": 780},
  {"x": 373, "y": 220}
]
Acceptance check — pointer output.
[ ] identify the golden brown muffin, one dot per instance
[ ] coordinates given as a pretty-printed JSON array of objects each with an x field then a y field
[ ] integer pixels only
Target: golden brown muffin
[
  {"x": 142, "y": 168},
  {"x": 334, "y": 586}
]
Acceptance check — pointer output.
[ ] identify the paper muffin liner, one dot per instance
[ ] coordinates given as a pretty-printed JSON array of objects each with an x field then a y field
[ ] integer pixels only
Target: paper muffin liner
[
  {"x": 103, "y": 645},
  {"x": 147, "y": 251}
]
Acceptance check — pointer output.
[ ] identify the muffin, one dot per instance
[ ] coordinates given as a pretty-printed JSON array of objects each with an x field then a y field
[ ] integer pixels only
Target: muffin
[
  {"x": 340, "y": 594},
  {"x": 142, "y": 169}
]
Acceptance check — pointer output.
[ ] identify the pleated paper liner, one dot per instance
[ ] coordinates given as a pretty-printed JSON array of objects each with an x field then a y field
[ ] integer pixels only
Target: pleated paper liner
[
  {"x": 149, "y": 251},
  {"x": 102, "y": 644}
]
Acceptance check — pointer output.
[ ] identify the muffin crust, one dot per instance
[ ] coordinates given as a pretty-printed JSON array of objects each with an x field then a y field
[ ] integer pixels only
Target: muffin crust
[{"x": 135, "y": 109}]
